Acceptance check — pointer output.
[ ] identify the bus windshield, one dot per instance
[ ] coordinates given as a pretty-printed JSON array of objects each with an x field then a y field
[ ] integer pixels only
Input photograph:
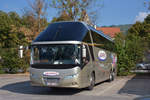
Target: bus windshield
[{"x": 56, "y": 54}]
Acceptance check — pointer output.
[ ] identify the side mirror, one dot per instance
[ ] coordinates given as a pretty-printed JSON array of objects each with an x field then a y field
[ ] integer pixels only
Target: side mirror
[
  {"x": 83, "y": 51},
  {"x": 84, "y": 55}
]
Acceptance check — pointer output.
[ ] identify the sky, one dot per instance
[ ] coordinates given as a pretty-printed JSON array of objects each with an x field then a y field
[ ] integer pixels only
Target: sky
[{"x": 113, "y": 12}]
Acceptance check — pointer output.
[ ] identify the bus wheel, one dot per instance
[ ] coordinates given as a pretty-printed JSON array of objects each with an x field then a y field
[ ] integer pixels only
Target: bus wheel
[
  {"x": 111, "y": 76},
  {"x": 92, "y": 82}
]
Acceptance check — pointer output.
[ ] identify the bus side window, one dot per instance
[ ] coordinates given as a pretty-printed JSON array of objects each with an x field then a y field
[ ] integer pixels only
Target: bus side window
[
  {"x": 91, "y": 52},
  {"x": 87, "y": 53}
]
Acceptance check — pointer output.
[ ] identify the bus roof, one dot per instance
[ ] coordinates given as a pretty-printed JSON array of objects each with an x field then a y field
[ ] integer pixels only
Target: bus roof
[{"x": 67, "y": 31}]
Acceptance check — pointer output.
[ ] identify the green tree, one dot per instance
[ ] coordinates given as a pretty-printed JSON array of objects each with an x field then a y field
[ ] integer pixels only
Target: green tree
[
  {"x": 10, "y": 38},
  {"x": 76, "y": 10},
  {"x": 9, "y": 30},
  {"x": 131, "y": 48},
  {"x": 35, "y": 17},
  {"x": 63, "y": 17},
  {"x": 135, "y": 49},
  {"x": 12, "y": 63},
  {"x": 16, "y": 19},
  {"x": 123, "y": 59},
  {"x": 146, "y": 25}
]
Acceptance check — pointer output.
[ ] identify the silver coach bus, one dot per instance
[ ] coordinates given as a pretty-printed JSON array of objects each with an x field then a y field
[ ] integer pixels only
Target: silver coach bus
[{"x": 72, "y": 54}]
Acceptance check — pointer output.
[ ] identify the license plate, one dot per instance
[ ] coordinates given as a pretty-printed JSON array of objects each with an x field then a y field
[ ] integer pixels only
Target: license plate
[
  {"x": 51, "y": 81},
  {"x": 51, "y": 84}
]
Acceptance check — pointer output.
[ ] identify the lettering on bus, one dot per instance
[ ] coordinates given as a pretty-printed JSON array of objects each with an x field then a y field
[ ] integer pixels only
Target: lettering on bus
[
  {"x": 102, "y": 55},
  {"x": 50, "y": 73},
  {"x": 114, "y": 60}
]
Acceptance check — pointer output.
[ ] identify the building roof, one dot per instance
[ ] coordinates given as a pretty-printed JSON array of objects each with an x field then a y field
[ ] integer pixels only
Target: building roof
[{"x": 111, "y": 31}]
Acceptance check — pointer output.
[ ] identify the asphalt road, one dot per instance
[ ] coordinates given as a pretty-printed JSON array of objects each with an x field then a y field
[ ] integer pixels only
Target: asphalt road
[{"x": 17, "y": 87}]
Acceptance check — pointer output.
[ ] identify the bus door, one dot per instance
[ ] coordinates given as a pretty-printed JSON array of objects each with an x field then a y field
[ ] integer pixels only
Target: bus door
[{"x": 86, "y": 64}]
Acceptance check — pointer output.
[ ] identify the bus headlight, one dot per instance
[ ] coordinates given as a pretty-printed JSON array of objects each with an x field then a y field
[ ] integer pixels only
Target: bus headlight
[{"x": 70, "y": 76}]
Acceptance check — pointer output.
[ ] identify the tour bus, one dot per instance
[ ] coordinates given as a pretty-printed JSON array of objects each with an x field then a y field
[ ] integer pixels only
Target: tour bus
[{"x": 72, "y": 55}]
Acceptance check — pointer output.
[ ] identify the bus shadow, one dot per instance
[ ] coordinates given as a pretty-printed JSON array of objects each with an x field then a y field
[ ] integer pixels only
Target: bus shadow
[
  {"x": 138, "y": 85},
  {"x": 26, "y": 88}
]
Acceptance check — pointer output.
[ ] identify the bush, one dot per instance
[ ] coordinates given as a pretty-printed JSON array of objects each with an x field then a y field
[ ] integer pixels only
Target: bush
[
  {"x": 11, "y": 63},
  {"x": 130, "y": 50}
]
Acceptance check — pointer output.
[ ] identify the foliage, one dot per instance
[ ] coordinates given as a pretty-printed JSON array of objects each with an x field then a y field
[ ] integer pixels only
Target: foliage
[
  {"x": 131, "y": 47},
  {"x": 12, "y": 63},
  {"x": 147, "y": 4},
  {"x": 16, "y": 31},
  {"x": 121, "y": 53},
  {"x": 62, "y": 17},
  {"x": 11, "y": 37},
  {"x": 9, "y": 34},
  {"x": 76, "y": 10},
  {"x": 73, "y": 8},
  {"x": 33, "y": 26},
  {"x": 34, "y": 19}
]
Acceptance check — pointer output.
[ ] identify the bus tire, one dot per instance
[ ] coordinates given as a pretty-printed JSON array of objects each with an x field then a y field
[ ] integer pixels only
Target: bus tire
[
  {"x": 111, "y": 76},
  {"x": 92, "y": 82}
]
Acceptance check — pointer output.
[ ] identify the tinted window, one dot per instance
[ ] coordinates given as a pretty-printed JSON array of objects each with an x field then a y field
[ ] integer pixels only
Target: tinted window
[
  {"x": 87, "y": 38},
  {"x": 91, "y": 51},
  {"x": 102, "y": 42},
  {"x": 63, "y": 31},
  {"x": 55, "y": 54},
  {"x": 87, "y": 54}
]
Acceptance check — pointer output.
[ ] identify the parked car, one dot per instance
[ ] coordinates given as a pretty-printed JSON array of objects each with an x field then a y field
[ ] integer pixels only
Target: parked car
[{"x": 143, "y": 66}]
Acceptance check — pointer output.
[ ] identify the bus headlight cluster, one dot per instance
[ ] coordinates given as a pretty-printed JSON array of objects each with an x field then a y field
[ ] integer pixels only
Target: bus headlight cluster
[{"x": 70, "y": 76}]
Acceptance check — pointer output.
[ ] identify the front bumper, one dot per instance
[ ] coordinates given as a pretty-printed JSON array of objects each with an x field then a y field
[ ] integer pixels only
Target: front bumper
[{"x": 69, "y": 81}]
